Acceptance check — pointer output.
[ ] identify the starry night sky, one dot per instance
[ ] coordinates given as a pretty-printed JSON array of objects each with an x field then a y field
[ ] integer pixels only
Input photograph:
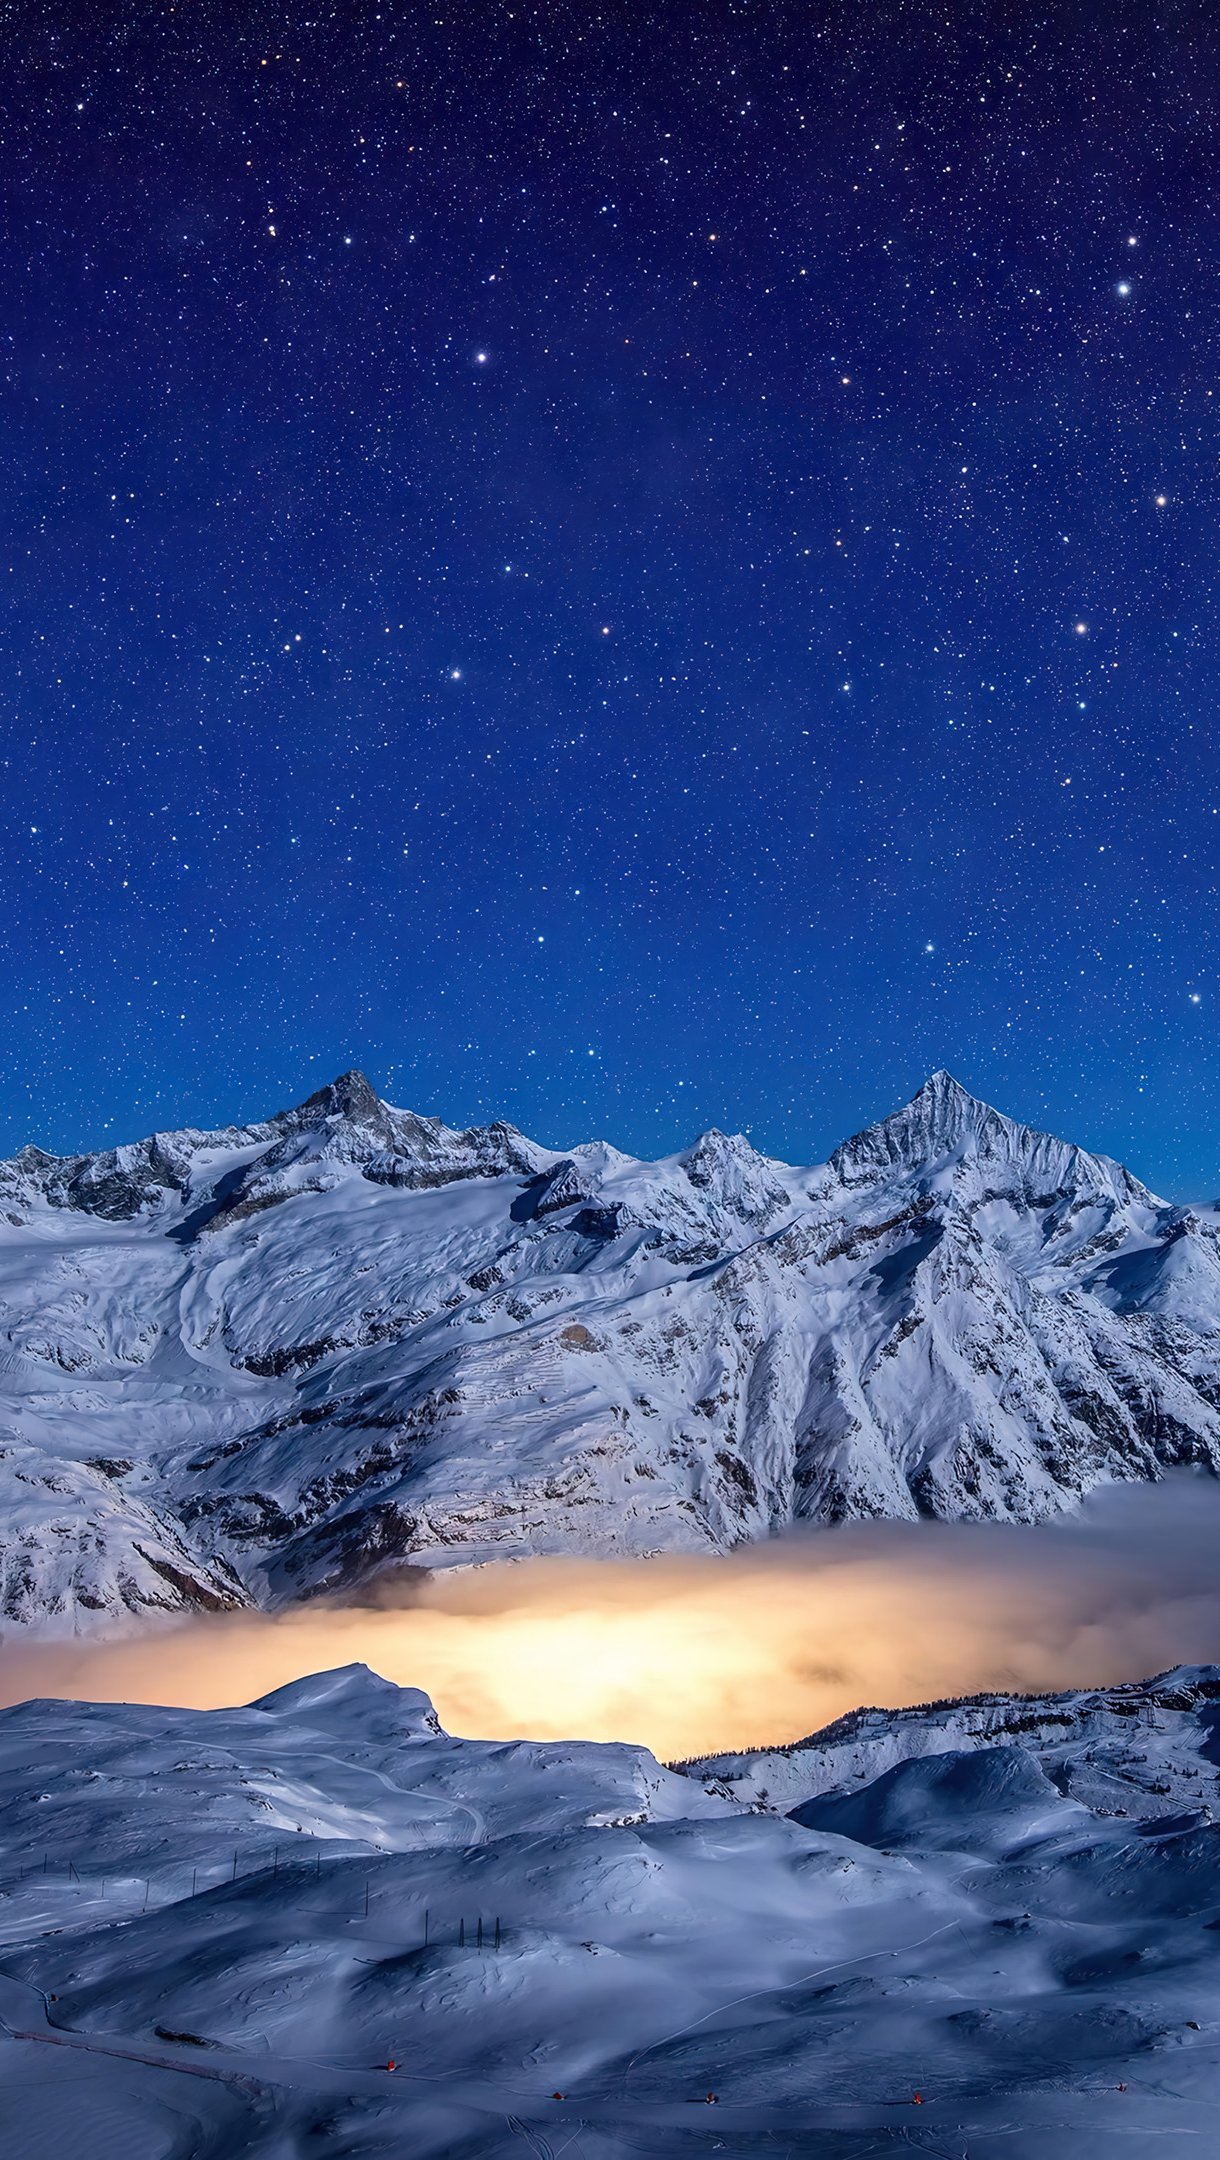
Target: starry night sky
[{"x": 629, "y": 569}]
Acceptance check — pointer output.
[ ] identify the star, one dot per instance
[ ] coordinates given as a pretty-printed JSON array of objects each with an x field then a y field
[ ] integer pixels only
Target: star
[{"x": 775, "y": 534}]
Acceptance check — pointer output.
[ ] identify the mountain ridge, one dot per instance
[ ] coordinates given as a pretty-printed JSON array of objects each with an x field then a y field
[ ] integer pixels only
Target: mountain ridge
[
  {"x": 939, "y": 1115},
  {"x": 268, "y": 1361}
]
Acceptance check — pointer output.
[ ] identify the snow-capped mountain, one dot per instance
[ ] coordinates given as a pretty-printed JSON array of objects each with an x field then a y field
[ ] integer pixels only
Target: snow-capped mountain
[
  {"x": 257, "y": 1364},
  {"x": 321, "y": 1925}
]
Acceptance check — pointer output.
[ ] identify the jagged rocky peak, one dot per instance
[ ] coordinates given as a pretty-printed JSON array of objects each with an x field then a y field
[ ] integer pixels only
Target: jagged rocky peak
[
  {"x": 117, "y": 1183},
  {"x": 942, "y": 1118},
  {"x": 424, "y": 1153},
  {"x": 564, "y": 1185},
  {"x": 733, "y": 1175},
  {"x": 345, "y": 1122},
  {"x": 352, "y": 1095},
  {"x": 946, "y": 1136}
]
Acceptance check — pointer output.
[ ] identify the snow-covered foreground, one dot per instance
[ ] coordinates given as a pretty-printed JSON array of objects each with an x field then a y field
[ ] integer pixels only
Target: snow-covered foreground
[{"x": 230, "y": 1922}]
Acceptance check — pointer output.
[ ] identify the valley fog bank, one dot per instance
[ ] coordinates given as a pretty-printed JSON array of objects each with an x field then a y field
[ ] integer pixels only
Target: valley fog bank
[{"x": 693, "y": 1654}]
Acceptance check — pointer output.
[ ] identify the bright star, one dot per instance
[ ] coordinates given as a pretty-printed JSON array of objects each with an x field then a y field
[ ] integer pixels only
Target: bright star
[
  {"x": 1195, "y": 998},
  {"x": 1082, "y": 629},
  {"x": 1122, "y": 288}
]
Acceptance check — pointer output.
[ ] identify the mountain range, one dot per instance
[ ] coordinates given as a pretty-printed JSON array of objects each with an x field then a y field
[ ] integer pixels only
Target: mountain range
[{"x": 256, "y": 1365}]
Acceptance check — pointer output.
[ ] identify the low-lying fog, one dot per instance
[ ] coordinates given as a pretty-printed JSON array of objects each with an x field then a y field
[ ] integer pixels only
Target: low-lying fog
[{"x": 690, "y": 1655}]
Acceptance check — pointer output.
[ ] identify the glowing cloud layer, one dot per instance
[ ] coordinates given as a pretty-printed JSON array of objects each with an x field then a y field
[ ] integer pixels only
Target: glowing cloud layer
[{"x": 690, "y": 1655}]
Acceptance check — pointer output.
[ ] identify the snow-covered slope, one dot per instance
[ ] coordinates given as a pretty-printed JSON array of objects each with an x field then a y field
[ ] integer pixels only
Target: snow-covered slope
[
  {"x": 989, "y": 1929},
  {"x": 1141, "y": 1750},
  {"x": 258, "y": 1364}
]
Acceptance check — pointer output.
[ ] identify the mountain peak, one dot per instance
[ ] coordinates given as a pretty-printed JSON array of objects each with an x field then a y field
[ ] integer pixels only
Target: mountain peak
[
  {"x": 947, "y": 1110},
  {"x": 942, "y": 1085},
  {"x": 938, "y": 1120},
  {"x": 351, "y": 1095},
  {"x": 730, "y": 1171},
  {"x": 947, "y": 1096},
  {"x": 945, "y": 1131}
]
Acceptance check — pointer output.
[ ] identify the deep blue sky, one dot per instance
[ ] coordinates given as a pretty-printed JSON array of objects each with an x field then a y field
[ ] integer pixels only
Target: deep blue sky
[{"x": 543, "y": 553}]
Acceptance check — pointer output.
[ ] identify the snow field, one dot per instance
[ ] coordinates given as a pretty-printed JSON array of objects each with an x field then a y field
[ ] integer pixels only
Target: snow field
[{"x": 958, "y": 1923}]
